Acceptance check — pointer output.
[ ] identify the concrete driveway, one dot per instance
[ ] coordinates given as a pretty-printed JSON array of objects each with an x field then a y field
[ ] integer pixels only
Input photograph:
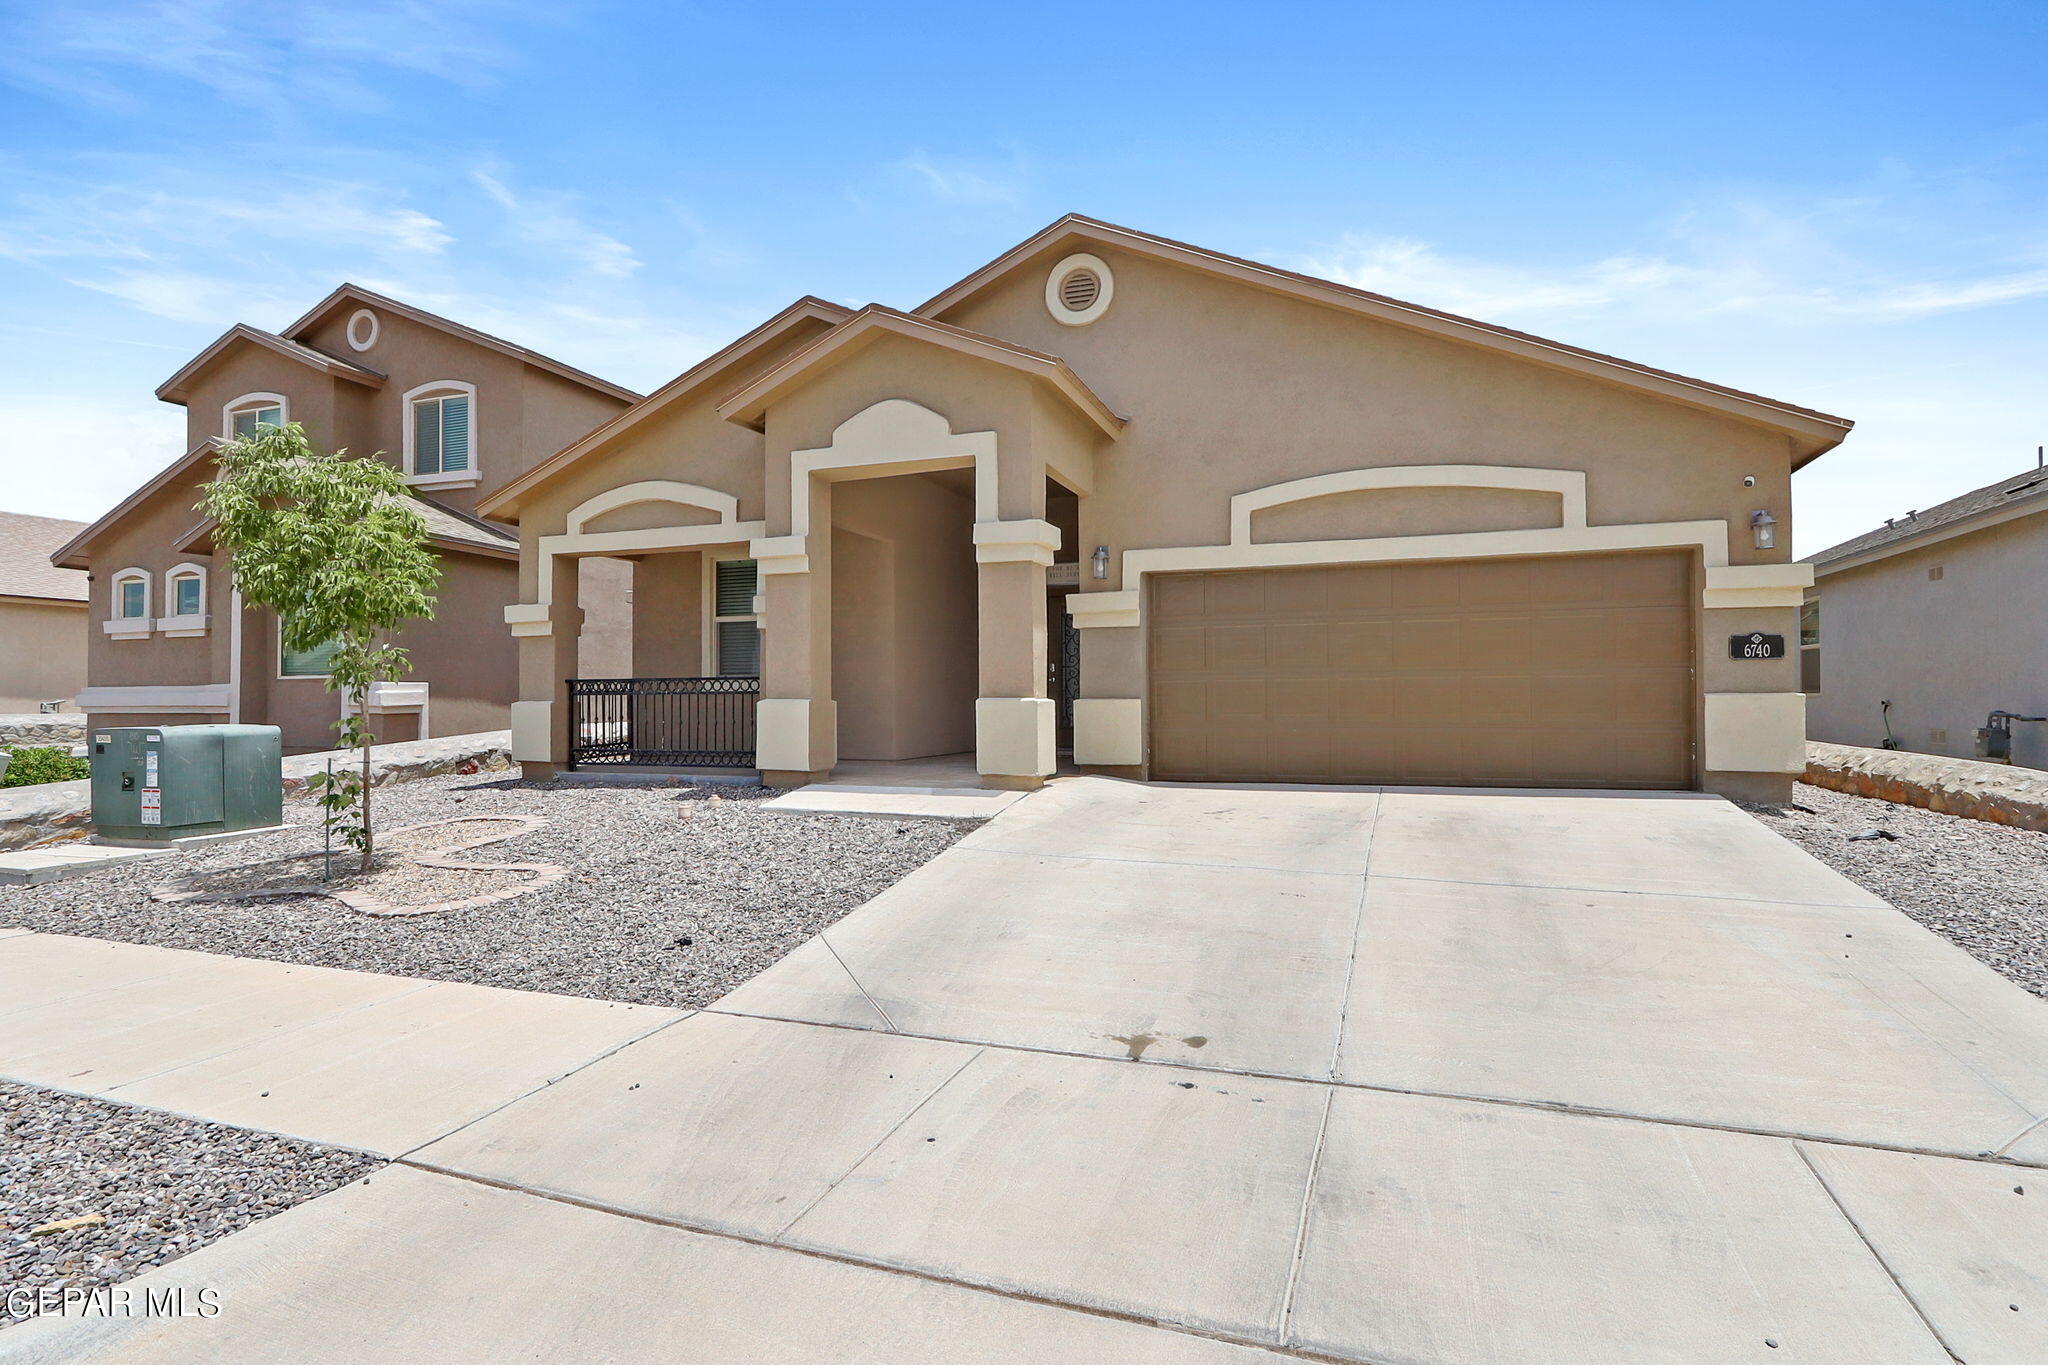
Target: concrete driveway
[{"x": 1211, "y": 1074}]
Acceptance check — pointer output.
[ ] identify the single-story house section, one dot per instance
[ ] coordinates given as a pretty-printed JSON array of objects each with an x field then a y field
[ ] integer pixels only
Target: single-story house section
[
  {"x": 42, "y": 615},
  {"x": 1936, "y": 612},
  {"x": 1196, "y": 518}
]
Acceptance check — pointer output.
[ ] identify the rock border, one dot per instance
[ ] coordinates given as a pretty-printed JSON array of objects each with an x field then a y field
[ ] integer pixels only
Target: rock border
[
  {"x": 1992, "y": 792},
  {"x": 545, "y": 874}
]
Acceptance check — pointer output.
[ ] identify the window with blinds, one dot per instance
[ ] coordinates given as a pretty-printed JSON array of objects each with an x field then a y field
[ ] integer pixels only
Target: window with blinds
[
  {"x": 736, "y": 628},
  {"x": 440, "y": 434},
  {"x": 248, "y": 419},
  {"x": 317, "y": 662}
]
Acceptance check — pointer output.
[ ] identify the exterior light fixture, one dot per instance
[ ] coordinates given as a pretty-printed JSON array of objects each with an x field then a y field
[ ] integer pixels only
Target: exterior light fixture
[
  {"x": 1763, "y": 529},
  {"x": 1100, "y": 561}
]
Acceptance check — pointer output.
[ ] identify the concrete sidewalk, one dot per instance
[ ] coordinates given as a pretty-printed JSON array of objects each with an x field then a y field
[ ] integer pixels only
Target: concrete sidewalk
[{"x": 1203, "y": 1074}]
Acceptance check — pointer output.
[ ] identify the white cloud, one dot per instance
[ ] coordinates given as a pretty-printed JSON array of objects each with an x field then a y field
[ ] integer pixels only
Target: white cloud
[
  {"x": 1715, "y": 278},
  {"x": 960, "y": 183},
  {"x": 66, "y": 458},
  {"x": 277, "y": 58},
  {"x": 548, "y": 221}
]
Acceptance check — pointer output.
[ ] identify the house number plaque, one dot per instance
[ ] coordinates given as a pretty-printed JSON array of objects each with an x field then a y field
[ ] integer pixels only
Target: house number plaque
[{"x": 1756, "y": 646}]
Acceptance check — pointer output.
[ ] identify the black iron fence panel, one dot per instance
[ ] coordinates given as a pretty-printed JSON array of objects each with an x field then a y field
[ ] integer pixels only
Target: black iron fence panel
[{"x": 662, "y": 722}]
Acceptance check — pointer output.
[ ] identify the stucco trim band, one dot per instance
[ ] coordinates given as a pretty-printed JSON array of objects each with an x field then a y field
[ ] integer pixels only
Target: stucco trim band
[
  {"x": 1014, "y": 737},
  {"x": 894, "y": 436},
  {"x": 1754, "y": 732},
  {"x": 201, "y": 698},
  {"x": 1109, "y": 732},
  {"x": 724, "y": 505},
  {"x": 638, "y": 542},
  {"x": 1756, "y": 585},
  {"x": 1568, "y": 484},
  {"x": 1029, "y": 541},
  {"x": 529, "y": 618}
]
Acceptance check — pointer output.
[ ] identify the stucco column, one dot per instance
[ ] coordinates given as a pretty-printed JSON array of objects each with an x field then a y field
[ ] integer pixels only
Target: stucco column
[
  {"x": 1752, "y": 714},
  {"x": 1014, "y": 720},
  {"x": 547, "y": 632},
  {"x": 797, "y": 730}
]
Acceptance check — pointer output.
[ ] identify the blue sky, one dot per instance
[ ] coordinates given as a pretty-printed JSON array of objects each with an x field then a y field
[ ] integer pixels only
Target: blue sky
[{"x": 1838, "y": 204}]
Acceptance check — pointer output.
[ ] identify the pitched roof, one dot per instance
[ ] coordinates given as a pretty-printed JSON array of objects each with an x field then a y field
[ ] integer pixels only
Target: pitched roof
[
  {"x": 2018, "y": 495},
  {"x": 175, "y": 389},
  {"x": 71, "y": 554},
  {"x": 449, "y": 527},
  {"x": 26, "y": 544},
  {"x": 506, "y": 499},
  {"x": 1814, "y": 431},
  {"x": 747, "y": 406},
  {"x": 357, "y": 294}
]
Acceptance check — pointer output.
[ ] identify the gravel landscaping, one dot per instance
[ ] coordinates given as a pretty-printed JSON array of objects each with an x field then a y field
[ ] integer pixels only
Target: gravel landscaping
[
  {"x": 159, "y": 1184},
  {"x": 1981, "y": 886},
  {"x": 675, "y": 895}
]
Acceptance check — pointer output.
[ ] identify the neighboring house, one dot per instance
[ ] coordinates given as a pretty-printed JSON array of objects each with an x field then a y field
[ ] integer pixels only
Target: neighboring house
[
  {"x": 462, "y": 413},
  {"x": 1939, "y": 613},
  {"x": 42, "y": 615},
  {"x": 1196, "y": 517}
]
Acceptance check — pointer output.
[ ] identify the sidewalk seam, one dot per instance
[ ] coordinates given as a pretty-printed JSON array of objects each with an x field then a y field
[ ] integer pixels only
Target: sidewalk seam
[{"x": 1877, "y": 1255}]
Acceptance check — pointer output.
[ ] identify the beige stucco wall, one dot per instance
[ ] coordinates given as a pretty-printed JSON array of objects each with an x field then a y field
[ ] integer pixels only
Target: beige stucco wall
[
  {"x": 145, "y": 540},
  {"x": 1945, "y": 652},
  {"x": 668, "y": 639},
  {"x": 903, "y": 618},
  {"x": 42, "y": 652}
]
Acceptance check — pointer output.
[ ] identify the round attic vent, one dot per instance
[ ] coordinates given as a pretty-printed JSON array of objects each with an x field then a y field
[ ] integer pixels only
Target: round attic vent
[
  {"x": 1078, "y": 290},
  {"x": 362, "y": 329}
]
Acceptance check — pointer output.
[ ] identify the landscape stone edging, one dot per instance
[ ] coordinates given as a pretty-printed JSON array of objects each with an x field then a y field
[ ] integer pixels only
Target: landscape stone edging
[
  {"x": 60, "y": 810},
  {"x": 1992, "y": 792},
  {"x": 543, "y": 874},
  {"x": 39, "y": 730}
]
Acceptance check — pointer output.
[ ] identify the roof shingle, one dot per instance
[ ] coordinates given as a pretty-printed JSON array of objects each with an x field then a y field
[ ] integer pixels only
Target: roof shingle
[
  {"x": 26, "y": 544},
  {"x": 2031, "y": 486}
]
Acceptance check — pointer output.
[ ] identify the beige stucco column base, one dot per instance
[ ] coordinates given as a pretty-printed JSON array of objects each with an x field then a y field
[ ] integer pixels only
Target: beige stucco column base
[
  {"x": 795, "y": 735},
  {"x": 1109, "y": 732},
  {"x": 1014, "y": 737},
  {"x": 1754, "y": 744}
]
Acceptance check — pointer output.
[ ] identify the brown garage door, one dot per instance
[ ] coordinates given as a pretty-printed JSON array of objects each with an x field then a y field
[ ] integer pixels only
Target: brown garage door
[{"x": 1561, "y": 671}]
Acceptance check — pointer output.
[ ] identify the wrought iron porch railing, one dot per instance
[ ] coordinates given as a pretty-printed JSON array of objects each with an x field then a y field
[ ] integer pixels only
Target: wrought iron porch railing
[{"x": 662, "y": 722}]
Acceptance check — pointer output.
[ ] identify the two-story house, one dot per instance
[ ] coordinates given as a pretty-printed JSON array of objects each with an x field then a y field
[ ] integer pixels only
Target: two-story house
[{"x": 461, "y": 412}]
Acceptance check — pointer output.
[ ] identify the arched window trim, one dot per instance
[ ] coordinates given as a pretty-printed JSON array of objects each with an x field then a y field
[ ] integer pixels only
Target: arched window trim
[
  {"x": 129, "y": 627},
  {"x": 191, "y": 623},
  {"x": 462, "y": 478},
  {"x": 252, "y": 400}
]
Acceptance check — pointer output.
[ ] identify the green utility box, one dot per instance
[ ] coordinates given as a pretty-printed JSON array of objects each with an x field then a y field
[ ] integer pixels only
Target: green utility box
[{"x": 156, "y": 783}]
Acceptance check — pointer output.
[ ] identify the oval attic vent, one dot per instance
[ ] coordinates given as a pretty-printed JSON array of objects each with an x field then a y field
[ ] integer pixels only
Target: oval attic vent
[{"x": 1080, "y": 289}]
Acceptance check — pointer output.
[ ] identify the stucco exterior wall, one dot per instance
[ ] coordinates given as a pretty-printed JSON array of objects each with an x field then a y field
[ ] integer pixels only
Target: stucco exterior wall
[
  {"x": 42, "y": 652},
  {"x": 1946, "y": 652},
  {"x": 146, "y": 540}
]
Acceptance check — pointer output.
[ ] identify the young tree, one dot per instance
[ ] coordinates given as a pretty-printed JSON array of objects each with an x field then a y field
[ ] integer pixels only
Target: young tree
[{"x": 337, "y": 547}]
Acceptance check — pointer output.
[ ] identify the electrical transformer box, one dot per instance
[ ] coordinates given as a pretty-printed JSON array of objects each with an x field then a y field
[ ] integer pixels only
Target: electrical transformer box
[{"x": 156, "y": 783}]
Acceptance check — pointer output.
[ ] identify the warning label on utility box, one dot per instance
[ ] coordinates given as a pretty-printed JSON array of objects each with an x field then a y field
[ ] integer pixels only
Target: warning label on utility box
[{"x": 152, "y": 806}]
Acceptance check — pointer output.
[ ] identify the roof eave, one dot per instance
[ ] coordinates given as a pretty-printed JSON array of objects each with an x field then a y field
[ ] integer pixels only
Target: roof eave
[
  {"x": 177, "y": 388},
  {"x": 1813, "y": 433},
  {"x": 71, "y": 554},
  {"x": 504, "y": 503},
  {"x": 346, "y": 291},
  {"x": 1934, "y": 535},
  {"x": 749, "y": 406}
]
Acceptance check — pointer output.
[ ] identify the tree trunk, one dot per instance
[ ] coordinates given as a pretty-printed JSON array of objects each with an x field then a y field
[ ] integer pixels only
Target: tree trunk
[{"x": 363, "y": 718}]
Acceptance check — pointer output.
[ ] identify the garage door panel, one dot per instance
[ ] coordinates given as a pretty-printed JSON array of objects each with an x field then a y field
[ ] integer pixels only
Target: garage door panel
[
  {"x": 1574, "y": 671},
  {"x": 1180, "y": 597}
]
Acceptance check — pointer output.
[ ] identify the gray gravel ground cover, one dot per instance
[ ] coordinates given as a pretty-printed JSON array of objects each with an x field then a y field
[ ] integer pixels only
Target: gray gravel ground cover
[
  {"x": 675, "y": 895},
  {"x": 165, "y": 1185},
  {"x": 1981, "y": 886}
]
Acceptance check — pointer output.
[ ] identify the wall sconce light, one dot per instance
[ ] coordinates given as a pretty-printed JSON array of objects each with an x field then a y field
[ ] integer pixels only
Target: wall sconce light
[
  {"x": 1099, "y": 561},
  {"x": 1763, "y": 529}
]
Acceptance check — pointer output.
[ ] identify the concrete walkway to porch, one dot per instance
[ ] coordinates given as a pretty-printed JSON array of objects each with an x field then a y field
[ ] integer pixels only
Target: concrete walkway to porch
[
  {"x": 945, "y": 787},
  {"x": 1156, "y": 1073}
]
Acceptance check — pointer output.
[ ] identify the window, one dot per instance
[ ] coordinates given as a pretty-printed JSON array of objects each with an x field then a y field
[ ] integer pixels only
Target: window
[
  {"x": 187, "y": 594},
  {"x": 440, "y": 434},
  {"x": 241, "y": 417},
  {"x": 736, "y": 628},
  {"x": 128, "y": 605},
  {"x": 316, "y": 662},
  {"x": 1809, "y": 646},
  {"x": 134, "y": 598}
]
